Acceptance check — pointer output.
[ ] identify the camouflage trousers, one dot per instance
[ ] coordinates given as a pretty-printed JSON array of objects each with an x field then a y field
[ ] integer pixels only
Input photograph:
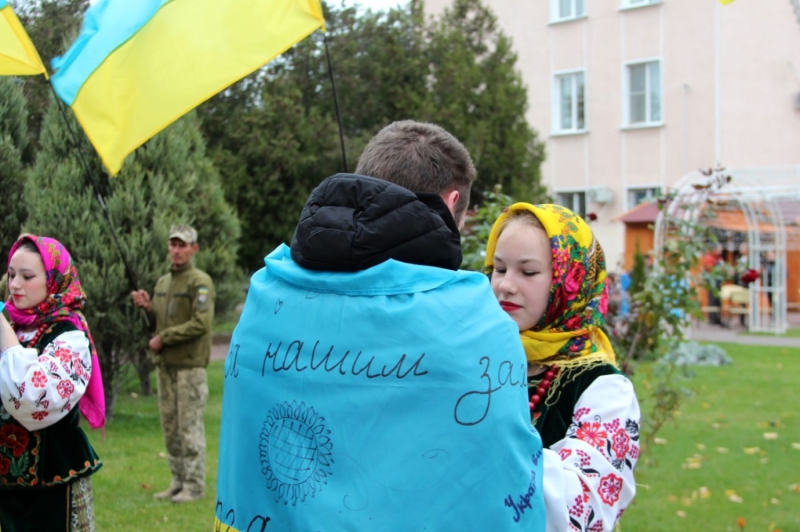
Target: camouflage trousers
[{"x": 182, "y": 396}]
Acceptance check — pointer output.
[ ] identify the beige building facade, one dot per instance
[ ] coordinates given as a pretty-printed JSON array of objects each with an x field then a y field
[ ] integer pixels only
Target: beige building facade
[{"x": 631, "y": 95}]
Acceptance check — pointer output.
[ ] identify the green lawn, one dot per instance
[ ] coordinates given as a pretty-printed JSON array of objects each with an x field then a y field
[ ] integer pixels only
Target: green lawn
[
  {"x": 790, "y": 333},
  {"x": 717, "y": 453},
  {"x": 135, "y": 467},
  {"x": 716, "y": 446}
]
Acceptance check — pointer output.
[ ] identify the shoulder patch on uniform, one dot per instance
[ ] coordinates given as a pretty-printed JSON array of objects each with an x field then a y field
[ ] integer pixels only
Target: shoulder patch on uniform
[{"x": 202, "y": 295}]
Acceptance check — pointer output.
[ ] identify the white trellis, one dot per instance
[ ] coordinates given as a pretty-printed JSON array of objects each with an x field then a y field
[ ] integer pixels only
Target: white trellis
[{"x": 758, "y": 194}]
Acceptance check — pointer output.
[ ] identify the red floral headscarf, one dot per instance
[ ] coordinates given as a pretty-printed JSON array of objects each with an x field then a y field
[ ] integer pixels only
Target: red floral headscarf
[{"x": 64, "y": 302}]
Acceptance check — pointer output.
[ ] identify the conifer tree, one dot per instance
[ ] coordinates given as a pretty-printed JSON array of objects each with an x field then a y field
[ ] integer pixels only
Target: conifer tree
[
  {"x": 13, "y": 142},
  {"x": 169, "y": 180}
]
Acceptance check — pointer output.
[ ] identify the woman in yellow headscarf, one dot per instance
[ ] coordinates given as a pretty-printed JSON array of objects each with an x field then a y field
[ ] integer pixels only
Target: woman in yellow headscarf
[{"x": 548, "y": 272}]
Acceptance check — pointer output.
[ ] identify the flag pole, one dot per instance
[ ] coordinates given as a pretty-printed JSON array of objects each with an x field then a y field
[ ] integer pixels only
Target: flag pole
[
  {"x": 128, "y": 271},
  {"x": 335, "y": 101}
]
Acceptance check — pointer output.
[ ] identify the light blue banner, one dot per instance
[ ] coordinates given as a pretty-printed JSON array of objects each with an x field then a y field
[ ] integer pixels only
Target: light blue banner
[{"x": 388, "y": 399}]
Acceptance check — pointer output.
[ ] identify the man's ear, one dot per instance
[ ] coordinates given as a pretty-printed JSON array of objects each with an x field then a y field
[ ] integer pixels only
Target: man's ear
[{"x": 450, "y": 199}]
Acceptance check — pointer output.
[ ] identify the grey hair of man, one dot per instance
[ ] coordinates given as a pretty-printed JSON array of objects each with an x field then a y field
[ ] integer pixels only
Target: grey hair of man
[{"x": 421, "y": 157}]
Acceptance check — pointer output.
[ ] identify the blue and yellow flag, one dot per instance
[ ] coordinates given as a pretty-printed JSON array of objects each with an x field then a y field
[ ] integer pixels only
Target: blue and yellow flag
[
  {"x": 376, "y": 400},
  {"x": 137, "y": 66},
  {"x": 18, "y": 56}
]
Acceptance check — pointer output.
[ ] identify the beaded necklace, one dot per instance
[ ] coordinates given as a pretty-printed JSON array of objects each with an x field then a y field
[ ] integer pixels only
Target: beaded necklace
[
  {"x": 38, "y": 335},
  {"x": 541, "y": 389}
]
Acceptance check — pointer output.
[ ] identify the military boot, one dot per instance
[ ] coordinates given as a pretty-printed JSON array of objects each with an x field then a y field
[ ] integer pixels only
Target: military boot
[
  {"x": 187, "y": 495},
  {"x": 174, "y": 488}
]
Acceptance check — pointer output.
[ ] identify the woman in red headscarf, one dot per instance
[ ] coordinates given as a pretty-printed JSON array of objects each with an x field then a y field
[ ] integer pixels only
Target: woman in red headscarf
[{"x": 48, "y": 367}]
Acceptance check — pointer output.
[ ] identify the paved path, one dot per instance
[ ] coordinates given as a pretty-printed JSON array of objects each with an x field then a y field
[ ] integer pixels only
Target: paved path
[
  {"x": 734, "y": 335},
  {"x": 219, "y": 351}
]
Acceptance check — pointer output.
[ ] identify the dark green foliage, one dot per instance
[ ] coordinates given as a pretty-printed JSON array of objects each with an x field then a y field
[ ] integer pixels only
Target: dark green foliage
[
  {"x": 271, "y": 152},
  {"x": 638, "y": 272},
  {"x": 274, "y": 135},
  {"x": 13, "y": 141},
  {"x": 478, "y": 95},
  {"x": 478, "y": 226},
  {"x": 169, "y": 180},
  {"x": 51, "y": 25}
]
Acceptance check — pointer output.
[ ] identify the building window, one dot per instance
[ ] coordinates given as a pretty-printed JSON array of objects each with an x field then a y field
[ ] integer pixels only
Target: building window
[
  {"x": 570, "y": 99},
  {"x": 641, "y": 195},
  {"x": 639, "y": 3},
  {"x": 576, "y": 201},
  {"x": 644, "y": 93},
  {"x": 565, "y": 10}
]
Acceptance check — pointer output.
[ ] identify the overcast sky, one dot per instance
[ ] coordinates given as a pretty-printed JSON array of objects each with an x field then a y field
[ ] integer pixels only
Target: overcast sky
[{"x": 372, "y": 4}]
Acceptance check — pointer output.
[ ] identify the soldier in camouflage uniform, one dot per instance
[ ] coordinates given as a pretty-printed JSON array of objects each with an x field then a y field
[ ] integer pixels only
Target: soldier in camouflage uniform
[{"x": 182, "y": 308}]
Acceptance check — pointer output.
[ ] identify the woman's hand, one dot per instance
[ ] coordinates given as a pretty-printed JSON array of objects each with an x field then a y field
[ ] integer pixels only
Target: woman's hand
[{"x": 8, "y": 338}]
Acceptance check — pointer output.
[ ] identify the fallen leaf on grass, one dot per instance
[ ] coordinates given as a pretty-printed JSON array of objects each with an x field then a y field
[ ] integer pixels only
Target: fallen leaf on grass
[
  {"x": 733, "y": 496},
  {"x": 770, "y": 435},
  {"x": 145, "y": 486},
  {"x": 775, "y": 501},
  {"x": 715, "y": 425},
  {"x": 722, "y": 450},
  {"x": 701, "y": 447},
  {"x": 659, "y": 441},
  {"x": 795, "y": 488},
  {"x": 796, "y": 446},
  {"x": 680, "y": 513},
  {"x": 693, "y": 462},
  {"x": 751, "y": 450},
  {"x": 162, "y": 455}
]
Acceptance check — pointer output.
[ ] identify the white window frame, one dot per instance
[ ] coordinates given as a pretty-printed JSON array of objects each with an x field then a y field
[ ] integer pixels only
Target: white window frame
[
  {"x": 574, "y": 5},
  {"x": 636, "y": 4},
  {"x": 626, "y": 84},
  {"x": 573, "y": 192},
  {"x": 655, "y": 189},
  {"x": 557, "y": 128}
]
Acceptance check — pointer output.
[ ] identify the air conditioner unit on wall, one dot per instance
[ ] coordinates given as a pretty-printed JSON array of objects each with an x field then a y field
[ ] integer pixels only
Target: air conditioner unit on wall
[{"x": 600, "y": 194}]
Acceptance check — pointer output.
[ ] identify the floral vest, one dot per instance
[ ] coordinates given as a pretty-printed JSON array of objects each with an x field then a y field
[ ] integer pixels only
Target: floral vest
[{"x": 58, "y": 454}]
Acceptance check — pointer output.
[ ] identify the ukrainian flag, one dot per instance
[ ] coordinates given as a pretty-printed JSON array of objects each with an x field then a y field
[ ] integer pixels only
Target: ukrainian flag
[
  {"x": 139, "y": 65},
  {"x": 18, "y": 56}
]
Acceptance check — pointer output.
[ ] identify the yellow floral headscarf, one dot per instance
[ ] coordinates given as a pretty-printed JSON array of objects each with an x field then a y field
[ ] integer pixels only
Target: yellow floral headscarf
[{"x": 570, "y": 333}]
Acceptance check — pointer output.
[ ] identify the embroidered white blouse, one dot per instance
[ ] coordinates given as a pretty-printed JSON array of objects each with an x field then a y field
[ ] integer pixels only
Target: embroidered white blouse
[
  {"x": 40, "y": 390},
  {"x": 588, "y": 475}
]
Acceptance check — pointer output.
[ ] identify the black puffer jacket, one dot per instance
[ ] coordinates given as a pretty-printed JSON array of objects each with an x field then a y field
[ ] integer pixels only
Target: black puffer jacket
[{"x": 352, "y": 222}]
